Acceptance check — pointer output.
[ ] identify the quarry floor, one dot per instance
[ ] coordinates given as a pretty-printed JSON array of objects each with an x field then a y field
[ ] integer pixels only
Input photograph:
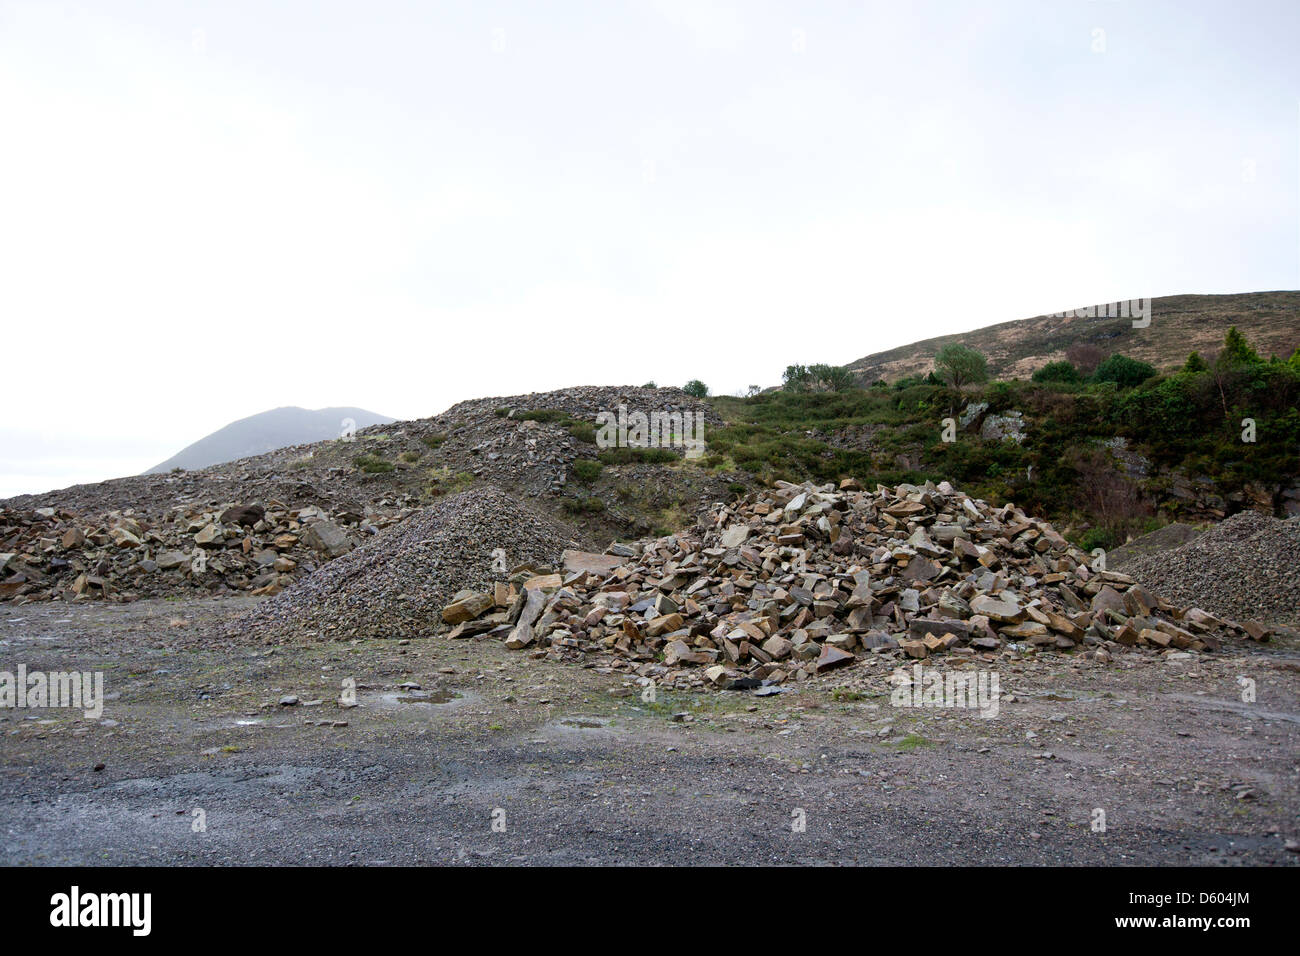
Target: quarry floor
[{"x": 499, "y": 758}]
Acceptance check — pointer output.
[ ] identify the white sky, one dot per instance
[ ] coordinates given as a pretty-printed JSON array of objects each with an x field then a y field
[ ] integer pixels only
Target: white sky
[{"x": 212, "y": 209}]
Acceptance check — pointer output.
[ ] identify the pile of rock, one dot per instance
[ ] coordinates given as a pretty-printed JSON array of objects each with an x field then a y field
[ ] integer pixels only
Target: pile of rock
[
  {"x": 137, "y": 526},
  {"x": 260, "y": 547},
  {"x": 394, "y": 584},
  {"x": 1246, "y": 567},
  {"x": 808, "y": 578},
  {"x": 501, "y": 441}
]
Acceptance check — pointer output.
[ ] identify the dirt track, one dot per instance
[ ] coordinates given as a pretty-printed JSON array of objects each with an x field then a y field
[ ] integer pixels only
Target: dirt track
[{"x": 585, "y": 771}]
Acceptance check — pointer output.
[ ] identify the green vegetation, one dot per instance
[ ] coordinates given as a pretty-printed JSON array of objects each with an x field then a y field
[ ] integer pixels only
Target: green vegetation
[
  {"x": 373, "y": 464},
  {"x": 1061, "y": 371},
  {"x": 587, "y": 470},
  {"x": 802, "y": 378},
  {"x": 581, "y": 506},
  {"x": 444, "y": 482},
  {"x": 433, "y": 441},
  {"x": 543, "y": 415},
  {"x": 624, "y": 455},
  {"x": 958, "y": 365},
  {"x": 1123, "y": 371},
  {"x": 580, "y": 429},
  {"x": 696, "y": 388},
  {"x": 1190, "y": 420},
  {"x": 410, "y": 456}
]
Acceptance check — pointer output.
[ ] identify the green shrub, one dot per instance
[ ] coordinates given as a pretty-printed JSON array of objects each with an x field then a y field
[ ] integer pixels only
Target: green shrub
[
  {"x": 433, "y": 441},
  {"x": 1060, "y": 371},
  {"x": 543, "y": 415},
  {"x": 580, "y": 506},
  {"x": 587, "y": 470},
  {"x": 623, "y": 455},
  {"x": 583, "y": 431},
  {"x": 373, "y": 464},
  {"x": 1123, "y": 371},
  {"x": 696, "y": 388}
]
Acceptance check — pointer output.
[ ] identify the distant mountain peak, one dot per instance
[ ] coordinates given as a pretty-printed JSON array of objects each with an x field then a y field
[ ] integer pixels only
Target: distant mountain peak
[{"x": 267, "y": 431}]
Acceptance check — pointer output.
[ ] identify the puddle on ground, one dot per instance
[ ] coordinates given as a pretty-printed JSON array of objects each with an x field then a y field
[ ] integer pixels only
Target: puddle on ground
[
  {"x": 584, "y": 724},
  {"x": 419, "y": 698}
]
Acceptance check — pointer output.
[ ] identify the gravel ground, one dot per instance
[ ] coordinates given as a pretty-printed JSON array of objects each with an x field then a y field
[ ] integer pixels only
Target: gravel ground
[
  {"x": 396, "y": 584},
  {"x": 581, "y": 770},
  {"x": 1246, "y": 568}
]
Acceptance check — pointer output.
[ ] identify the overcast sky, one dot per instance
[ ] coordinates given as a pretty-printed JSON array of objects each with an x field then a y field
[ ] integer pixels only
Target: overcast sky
[{"x": 212, "y": 209}]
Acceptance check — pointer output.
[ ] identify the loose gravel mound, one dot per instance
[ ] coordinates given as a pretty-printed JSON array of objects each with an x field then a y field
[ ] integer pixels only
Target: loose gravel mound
[
  {"x": 1157, "y": 542},
  {"x": 1245, "y": 568},
  {"x": 397, "y": 584}
]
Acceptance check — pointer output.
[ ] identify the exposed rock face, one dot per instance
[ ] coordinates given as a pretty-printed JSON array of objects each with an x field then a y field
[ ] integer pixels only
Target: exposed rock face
[{"x": 1010, "y": 426}]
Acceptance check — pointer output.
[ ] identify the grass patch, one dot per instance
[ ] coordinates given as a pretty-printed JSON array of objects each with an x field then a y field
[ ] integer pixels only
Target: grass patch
[
  {"x": 624, "y": 455},
  {"x": 444, "y": 482},
  {"x": 373, "y": 464},
  {"x": 583, "y": 431}
]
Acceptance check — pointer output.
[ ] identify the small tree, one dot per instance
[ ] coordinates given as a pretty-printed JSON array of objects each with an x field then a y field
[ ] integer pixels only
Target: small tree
[
  {"x": 1195, "y": 364},
  {"x": 1123, "y": 371},
  {"x": 796, "y": 378},
  {"x": 958, "y": 365},
  {"x": 838, "y": 378},
  {"x": 753, "y": 390},
  {"x": 696, "y": 388},
  {"x": 1058, "y": 371},
  {"x": 1233, "y": 364},
  {"x": 1237, "y": 351}
]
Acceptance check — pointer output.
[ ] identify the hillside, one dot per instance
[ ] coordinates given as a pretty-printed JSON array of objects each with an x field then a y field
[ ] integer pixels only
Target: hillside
[
  {"x": 264, "y": 521},
  {"x": 1179, "y": 324},
  {"x": 267, "y": 431}
]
